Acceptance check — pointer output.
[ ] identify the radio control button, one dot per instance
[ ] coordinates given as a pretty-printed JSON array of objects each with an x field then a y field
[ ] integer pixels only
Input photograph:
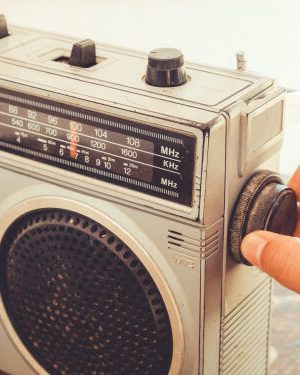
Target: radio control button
[
  {"x": 265, "y": 203},
  {"x": 3, "y": 27},
  {"x": 83, "y": 54},
  {"x": 165, "y": 68}
]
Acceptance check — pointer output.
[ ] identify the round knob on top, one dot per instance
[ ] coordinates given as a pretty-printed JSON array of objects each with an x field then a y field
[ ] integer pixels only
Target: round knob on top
[
  {"x": 165, "y": 68},
  {"x": 265, "y": 203}
]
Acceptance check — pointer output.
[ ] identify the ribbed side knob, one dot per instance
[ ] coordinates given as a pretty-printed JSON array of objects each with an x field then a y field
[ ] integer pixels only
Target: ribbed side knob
[
  {"x": 165, "y": 68},
  {"x": 265, "y": 203}
]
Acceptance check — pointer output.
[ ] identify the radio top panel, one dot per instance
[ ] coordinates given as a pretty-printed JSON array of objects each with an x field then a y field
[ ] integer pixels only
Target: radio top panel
[{"x": 206, "y": 87}]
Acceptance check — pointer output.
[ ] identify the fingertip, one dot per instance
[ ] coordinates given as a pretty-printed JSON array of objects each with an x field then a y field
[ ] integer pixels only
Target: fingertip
[
  {"x": 277, "y": 255},
  {"x": 252, "y": 247},
  {"x": 281, "y": 260}
]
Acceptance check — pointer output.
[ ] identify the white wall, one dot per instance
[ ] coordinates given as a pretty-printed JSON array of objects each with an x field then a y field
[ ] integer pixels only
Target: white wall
[{"x": 207, "y": 30}]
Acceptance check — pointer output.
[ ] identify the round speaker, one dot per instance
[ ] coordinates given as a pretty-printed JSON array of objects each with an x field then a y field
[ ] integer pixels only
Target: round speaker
[{"x": 80, "y": 300}]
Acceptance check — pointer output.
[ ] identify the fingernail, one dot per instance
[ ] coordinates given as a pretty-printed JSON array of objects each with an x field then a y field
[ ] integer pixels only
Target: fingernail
[{"x": 252, "y": 248}]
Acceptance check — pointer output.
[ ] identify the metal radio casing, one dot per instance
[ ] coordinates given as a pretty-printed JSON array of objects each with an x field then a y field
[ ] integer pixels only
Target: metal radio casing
[{"x": 219, "y": 310}]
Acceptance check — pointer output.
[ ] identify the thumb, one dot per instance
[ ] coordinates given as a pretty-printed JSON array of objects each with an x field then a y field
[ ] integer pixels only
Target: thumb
[{"x": 275, "y": 254}]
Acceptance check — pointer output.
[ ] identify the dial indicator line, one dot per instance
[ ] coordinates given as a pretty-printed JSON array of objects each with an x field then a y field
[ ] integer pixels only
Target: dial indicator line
[{"x": 73, "y": 143}]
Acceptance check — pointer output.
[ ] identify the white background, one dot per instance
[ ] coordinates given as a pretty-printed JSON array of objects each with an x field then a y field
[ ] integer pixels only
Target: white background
[{"x": 207, "y": 31}]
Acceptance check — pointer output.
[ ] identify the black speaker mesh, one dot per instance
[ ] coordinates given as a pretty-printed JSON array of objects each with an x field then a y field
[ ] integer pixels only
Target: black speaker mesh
[{"x": 80, "y": 300}]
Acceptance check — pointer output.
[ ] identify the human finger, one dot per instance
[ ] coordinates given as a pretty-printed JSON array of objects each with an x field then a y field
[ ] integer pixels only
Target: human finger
[{"x": 275, "y": 254}]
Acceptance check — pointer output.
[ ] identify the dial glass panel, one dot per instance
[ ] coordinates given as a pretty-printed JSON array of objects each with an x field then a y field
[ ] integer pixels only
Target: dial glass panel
[{"x": 138, "y": 156}]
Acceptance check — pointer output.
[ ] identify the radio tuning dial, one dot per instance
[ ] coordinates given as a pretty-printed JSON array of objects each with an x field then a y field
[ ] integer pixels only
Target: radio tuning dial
[
  {"x": 165, "y": 68},
  {"x": 265, "y": 203}
]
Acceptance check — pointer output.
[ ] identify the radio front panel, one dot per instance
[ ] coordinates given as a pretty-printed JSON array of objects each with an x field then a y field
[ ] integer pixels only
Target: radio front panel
[{"x": 119, "y": 176}]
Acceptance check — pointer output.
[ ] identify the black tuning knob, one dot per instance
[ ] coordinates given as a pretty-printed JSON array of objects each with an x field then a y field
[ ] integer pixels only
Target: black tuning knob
[
  {"x": 3, "y": 27},
  {"x": 83, "y": 54},
  {"x": 165, "y": 68},
  {"x": 265, "y": 203}
]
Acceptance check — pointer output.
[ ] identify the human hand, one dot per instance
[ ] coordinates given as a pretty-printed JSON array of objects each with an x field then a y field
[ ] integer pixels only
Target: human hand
[{"x": 275, "y": 254}]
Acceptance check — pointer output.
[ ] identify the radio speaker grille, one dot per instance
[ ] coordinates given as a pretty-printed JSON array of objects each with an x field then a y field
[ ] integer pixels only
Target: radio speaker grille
[{"x": 80, "y": 300}]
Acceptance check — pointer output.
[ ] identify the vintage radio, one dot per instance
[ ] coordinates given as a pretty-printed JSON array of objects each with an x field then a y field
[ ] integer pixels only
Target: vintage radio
[{"x": 127, "y": 183}]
